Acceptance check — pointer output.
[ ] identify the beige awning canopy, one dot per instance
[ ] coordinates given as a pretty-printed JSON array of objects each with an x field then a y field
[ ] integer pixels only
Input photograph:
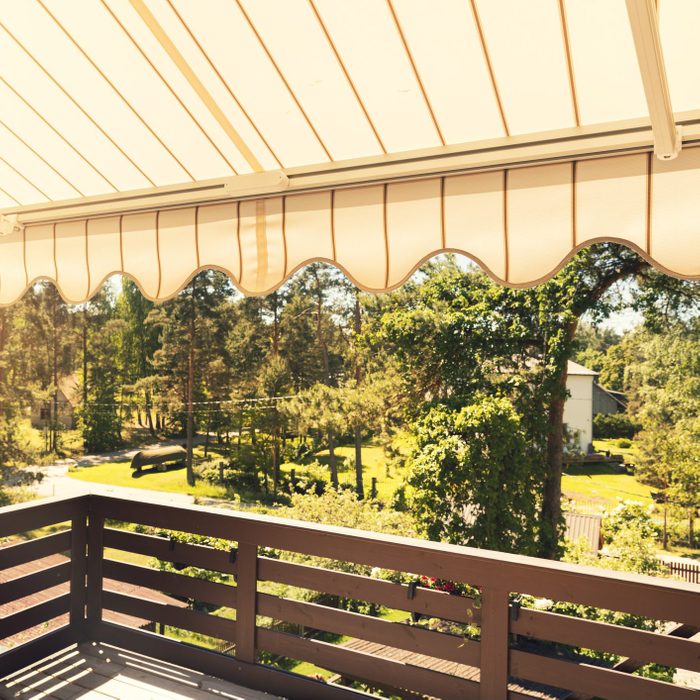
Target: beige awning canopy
[{"x": 154, "y": 138}]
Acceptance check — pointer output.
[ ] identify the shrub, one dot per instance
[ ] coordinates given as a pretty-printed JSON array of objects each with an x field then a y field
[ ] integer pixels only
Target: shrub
[
  {"x": 298, "y": 453},
  {"x": 311, "y": 480},
  {"x": 478, "y": 462},
  {"x": 614, "y": 425},
  {"x": 625, "y": 443}
]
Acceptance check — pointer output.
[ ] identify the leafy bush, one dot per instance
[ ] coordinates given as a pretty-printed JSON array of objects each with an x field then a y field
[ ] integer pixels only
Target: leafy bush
[
  {"x": 629, "y": 515},
  {"x": 614, "y": 425},
  {"x": 298, "y": 453},
  {"x": 625, "y": 443},
  {"x": 311, "y": 480},
  {"x": 340, "y": 508},
  {"x": 476, "y": 462},
  {"x": 631, "y": 537}
]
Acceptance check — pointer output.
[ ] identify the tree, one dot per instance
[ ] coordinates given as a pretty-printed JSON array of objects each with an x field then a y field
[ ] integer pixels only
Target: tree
[
  {"x": 188, "y": 332},
  {"x": 138, "y": 342},
  {"x": 48, "y": 329},
  {"x": 320, "y": 408},
  {"x": 463, "y": 333},
  {"x": 475, "y": 478},
  {"x": 664, "y": 390},
  {"x": 100, "y": 417}
]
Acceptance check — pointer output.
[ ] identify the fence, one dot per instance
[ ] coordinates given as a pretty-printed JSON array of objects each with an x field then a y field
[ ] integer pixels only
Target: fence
[
  {"x": 685, "y": 570},
  {"x": 514, "y": 648}
]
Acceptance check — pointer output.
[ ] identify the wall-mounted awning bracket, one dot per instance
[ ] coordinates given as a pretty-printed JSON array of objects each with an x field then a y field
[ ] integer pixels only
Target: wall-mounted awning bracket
[{"x": 644, "y": 22}]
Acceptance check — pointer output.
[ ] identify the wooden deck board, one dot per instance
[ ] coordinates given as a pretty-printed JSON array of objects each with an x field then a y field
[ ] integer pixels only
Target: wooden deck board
[{"x": 101, "y": 672}]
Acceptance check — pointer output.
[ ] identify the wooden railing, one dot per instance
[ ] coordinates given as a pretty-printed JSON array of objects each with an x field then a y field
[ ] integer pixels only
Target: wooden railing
[{"x": 498, "y": 662}]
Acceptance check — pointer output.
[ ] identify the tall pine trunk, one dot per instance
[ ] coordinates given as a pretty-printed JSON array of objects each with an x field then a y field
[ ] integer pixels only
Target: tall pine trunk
[
  {"x": 550, "y": 519},
  {"x": 190, "y": 391},
  {"x": 359, "y": 484},
  {"x": 332, "y": 459}
]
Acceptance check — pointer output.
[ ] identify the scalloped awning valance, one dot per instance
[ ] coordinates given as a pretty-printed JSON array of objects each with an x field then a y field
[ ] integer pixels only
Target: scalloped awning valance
[{"x": 154, "y": 138}]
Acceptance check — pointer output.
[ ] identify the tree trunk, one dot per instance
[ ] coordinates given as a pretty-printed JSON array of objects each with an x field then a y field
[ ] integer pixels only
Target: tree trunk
[
  {"x": 551, "y": 520},
  {"x": 54, "y": 412},
  {"x": 85, "y": 357},
  {"x": 359, "y": 485},
  {"x": 149, "y": 416},
  {"x": 275, "y": 459},
  {"x": 190, "y": 393},
  {"x": 332, "y": 461},
  {"x": 691, "y": 529}
]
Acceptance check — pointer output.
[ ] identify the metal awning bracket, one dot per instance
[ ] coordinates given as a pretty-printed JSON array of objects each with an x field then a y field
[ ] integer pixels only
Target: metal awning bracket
[
  {"x": 644, "y": 23},
  {"x": 9, "y": 224}
]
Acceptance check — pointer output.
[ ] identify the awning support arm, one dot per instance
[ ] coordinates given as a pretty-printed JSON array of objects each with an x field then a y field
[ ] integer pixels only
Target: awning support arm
[{"x": 644, "y": 22}]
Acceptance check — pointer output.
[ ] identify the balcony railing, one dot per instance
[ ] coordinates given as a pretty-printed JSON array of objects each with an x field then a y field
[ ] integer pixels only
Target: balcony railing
[{"x": 504, "y": 656}]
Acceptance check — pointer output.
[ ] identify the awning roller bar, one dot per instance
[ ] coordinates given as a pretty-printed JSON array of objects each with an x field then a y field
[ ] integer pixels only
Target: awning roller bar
[{"x": 580, "y": 143}]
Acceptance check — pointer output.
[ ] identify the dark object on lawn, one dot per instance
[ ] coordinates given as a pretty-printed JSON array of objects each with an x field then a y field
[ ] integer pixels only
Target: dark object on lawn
[{"x": 161, "y": 457}]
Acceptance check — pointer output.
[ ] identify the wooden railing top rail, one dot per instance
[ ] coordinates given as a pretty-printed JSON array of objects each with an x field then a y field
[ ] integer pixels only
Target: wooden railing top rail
[
  {"x": 33, "y": 515},
  {"x": 498, "y": 575},
  {"x": 632, "y": 593}
]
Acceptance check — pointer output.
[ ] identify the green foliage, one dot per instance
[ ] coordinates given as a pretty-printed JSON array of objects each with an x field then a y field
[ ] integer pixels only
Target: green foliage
[
  {"x": 631, "y": 538},
  {"x": 614, "y": 425},
  {"x": 474, "y": 477},
  {"x": 664, "y": 385},
  {"x": 341, "y": 508},
  {"x": 630, "y": 534}
]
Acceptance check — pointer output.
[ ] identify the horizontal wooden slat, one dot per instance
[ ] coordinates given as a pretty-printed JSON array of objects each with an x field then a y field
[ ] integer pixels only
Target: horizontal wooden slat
[
  {"x": 393, "y": 595},
  {"x": 170, "y": 582},
  {"x": 21, "y": 553},
  {"x": 25, "y": 654},
  {"x": 371, "y": 668},
  {"x": 278, "y": 682},
  {"x": 625, "y": 641},
  {"x": 640, "y": 595},
  {"x": 34, "y": 515},
  {"x": 37, "y": 581},
  {"x": 34, "y": 615},
  {"x": 593, "y": 680},
  {"x": 175, "y": 552},
  {"x": 183, "y": 618},
  {"x": 394, "y": 634}
]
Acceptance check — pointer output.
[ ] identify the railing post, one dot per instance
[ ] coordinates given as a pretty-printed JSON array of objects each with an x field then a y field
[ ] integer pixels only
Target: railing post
[
  {"x": 77, "y": 577},
  {"x": 94, "y": 572},
  {"x": 495, "y": 622},
  {"x": 246, "y": 600}
]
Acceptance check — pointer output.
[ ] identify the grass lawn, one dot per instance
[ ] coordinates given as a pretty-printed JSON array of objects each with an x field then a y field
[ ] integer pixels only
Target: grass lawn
[
  {"x": 630, "y": 453},
  {"x": 605, "y": 484},
  {"x": 602, "y": 484},
  {"x": 120, "y": 474},
  {"x": 374, "y": 463}
]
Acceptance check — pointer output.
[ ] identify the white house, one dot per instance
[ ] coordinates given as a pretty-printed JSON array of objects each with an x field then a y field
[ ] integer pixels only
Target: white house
[{"x": 578, "y": 409}]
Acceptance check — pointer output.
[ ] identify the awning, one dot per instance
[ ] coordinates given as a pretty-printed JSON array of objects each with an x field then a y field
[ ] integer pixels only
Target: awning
[{"x": 157, "y": 138}]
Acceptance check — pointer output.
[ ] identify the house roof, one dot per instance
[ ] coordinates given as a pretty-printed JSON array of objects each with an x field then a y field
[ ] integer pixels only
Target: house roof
[
  {"x": 577, "y": 370},
  {"x": 618, "y": 397},
  {"x": 70, "y": 388}
]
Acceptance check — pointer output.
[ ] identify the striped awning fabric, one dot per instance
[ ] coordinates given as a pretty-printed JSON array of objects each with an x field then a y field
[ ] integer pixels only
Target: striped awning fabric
[{"x": 104, "y": 97}]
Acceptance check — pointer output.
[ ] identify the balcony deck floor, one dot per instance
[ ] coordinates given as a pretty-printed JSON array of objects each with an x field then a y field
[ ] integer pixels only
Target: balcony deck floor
[{"x": 101, "y": 672}]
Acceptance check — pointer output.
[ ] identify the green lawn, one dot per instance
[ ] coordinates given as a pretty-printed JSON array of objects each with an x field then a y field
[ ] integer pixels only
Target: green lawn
[
  {"x": 601, "y": 484},
  {"x": 630, "y": 453},
  {"x": 374, "y": 464},
  {"x": 389, "y": 478},
  {"x": 605, "y": 484},
  {"x": 120, "y": 474}
]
